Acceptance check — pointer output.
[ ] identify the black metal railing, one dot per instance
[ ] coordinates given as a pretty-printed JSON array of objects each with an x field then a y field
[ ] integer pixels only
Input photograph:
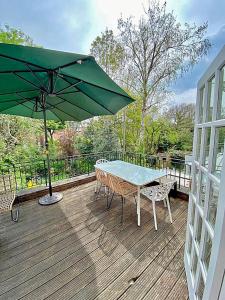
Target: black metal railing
[{"x": 34, "y": 173}]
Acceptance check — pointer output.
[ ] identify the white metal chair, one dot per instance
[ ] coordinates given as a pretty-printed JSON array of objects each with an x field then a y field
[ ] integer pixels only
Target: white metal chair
[
  {"x": 8, "y": 194},
  {"x": 101, "y": 161},
  {"x": 98, "y": 179},
  {"x": 159, "y": 193}
]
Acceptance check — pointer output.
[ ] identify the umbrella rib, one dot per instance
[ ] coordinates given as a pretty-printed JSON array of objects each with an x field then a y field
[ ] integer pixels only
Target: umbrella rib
[
  {"x": 65, "y": 100},
  {"x": 25, "y": 105},
  {"x": 66, "y": 93},
  {"x": 53, "y": 112},
  {"x": 98, "y": 86},
  {"x": 66, "y": 114},
  {"x": 28, "y": 81},
  {"x": 71, "y": 63},
  {"x": 41, "y": 83},
  {"x": 23, "y": 61},
  {"x": 88, "y": 96},
  {"x": 10, "y": 93},
  {"x": 21, "y": 71},
  {"x": 67, "y": 87},
  {"x": 20, "y": 103},
  {"x": 5, "y": 101}
]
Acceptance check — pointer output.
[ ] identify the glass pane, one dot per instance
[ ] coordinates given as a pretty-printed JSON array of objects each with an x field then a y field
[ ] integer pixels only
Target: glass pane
[
  {"x": 213, "y": 200},
  {"x": 206, "y": 147},
  {"x": 199, "y": 135},
  {"x": 198, "y": 230},
  {"x": 211, "y": 88},
  {"x": 218, "y": 151},
  {"x": 202, "y": 191},
  {"x": 207, "y": 250},
  {"x": 194, "y": 263},
  {"x": 201, "y": 99},
  {"x": 201, "y": 287},
  {"x": 195, "y": 181},
  {"x": 221, "y": 103}
]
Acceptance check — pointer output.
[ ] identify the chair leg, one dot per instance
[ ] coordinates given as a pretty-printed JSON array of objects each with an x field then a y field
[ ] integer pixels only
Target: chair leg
[
  {"x": 97, "y": 192},
  {"x": 109, "y": 202},
  {"x": 122, "y": 209},
  {"x": 96, "y": 186},
  {"x": 15, "y": 216},
  {"x": 105, "y": 190},
  {"x": 154, "y": 213},
  {"x": 168, "y": 205},
  {"x": 164, "y": 201}
]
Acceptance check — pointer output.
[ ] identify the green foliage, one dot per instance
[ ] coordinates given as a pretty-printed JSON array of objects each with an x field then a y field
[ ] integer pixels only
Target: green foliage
[
  {"x": 19, "y": 140},
  {"x": 108, "y": 52},
  {"x": 10, "y": 35},
  {"x": 53, "y": 126},
  {"x": 100, "y": 135}
]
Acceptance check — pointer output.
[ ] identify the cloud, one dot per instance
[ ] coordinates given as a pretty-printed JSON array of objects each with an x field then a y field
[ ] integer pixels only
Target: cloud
[
  {"x": 207, "y": 10},
  {"x": 188, "y": 96},
  {"x": 55, "y": 24},
  {"x": 72, "y": 25},
  {"x": 190, "y": 80}
]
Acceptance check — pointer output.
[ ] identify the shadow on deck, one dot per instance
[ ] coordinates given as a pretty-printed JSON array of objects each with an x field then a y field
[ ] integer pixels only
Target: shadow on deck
[{"x": 76, "y": 249}]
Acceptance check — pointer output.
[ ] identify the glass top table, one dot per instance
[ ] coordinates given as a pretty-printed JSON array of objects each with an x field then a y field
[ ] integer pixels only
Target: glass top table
[{"x": 133, "y": 174}]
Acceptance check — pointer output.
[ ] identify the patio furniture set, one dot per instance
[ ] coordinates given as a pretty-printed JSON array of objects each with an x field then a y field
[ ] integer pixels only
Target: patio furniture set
[{"x": 126, "y": 179}]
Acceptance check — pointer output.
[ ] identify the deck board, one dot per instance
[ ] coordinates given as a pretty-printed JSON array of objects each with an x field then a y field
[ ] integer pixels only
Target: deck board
[{"x": 76, "y": 249}]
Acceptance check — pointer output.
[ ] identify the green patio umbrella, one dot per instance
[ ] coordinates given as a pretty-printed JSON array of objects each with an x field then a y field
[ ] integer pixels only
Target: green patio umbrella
[{"x": 47, "y": 84}]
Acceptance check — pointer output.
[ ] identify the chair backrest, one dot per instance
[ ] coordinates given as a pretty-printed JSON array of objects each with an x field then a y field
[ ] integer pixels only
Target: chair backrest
[
  {"x": 101, "y": 161},
  {"x": 163, "y": 189},
  {"x": 167, "y": 186},
  {"x": 114, "y": 184},
  {"x": 101, "y": 176},
  {"x": 7, "y": 191}
]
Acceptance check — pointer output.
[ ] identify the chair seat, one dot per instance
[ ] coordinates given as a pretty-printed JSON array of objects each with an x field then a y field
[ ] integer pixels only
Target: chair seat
[
  {"x": 6, "y": 200},
  {"x": 128, "y": 188},
  {"x": 154, "y": 193}
]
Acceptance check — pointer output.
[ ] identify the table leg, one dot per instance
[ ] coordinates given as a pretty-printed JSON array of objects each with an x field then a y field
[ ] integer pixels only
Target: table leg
[{"x": 138, "y": 207}]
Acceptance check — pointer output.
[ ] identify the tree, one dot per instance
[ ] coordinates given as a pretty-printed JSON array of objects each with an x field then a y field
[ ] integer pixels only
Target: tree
[
  {"x": 12, "y": 35},
  {"x": 181, "y": 117},
  {"x": 109, "y": 53},
  {"x": 18, "y": 139},
  {"x": 53, "y": 126},
  {"x": 159, "y": 49},
  {"x": 18, "y": 135},
  {"x": 100, "y": 135}
]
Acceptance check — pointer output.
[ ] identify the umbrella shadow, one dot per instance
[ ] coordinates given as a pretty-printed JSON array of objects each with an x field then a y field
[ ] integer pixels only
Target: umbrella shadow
[
  {"x": 109, "y": 222},
  {"x": 54, "y": 246}
]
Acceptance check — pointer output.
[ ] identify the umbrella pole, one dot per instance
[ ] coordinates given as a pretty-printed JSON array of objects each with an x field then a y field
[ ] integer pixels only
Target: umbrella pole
[
  {"x": 51, "y": 198},
  {"x": 47, "y": 154}
]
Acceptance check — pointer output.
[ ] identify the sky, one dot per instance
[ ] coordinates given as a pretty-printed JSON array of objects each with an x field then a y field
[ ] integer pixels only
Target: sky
[{"x": 71, "y": 25}]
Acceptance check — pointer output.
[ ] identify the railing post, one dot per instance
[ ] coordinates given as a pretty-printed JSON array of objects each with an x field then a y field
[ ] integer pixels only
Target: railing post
[{"x": 88, "y": 165}]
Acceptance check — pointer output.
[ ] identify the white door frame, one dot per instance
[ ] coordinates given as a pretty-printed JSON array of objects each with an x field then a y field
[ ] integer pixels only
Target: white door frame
[{"x": 213, "y": 277}]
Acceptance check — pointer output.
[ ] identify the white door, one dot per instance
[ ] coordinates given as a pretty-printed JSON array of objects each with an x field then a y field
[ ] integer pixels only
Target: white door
[{"x": 205, "y": 240}]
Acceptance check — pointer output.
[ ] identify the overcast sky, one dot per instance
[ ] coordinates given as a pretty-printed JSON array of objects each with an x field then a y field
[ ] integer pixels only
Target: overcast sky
[{"x": 71, "y": 25}]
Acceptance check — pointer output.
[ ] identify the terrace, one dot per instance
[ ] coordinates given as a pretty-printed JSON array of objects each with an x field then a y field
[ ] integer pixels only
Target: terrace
[{"x": 76, "y": 249}]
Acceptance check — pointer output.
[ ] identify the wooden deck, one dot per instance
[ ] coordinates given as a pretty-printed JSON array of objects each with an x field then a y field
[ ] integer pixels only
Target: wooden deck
[{"x": 76, "y": 249}]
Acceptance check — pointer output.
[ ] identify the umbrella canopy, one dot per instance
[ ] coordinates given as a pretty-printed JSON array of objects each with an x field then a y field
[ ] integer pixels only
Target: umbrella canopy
[
  {"x": 47, "y": 84},
  {"x": 74, "y": 86}
]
